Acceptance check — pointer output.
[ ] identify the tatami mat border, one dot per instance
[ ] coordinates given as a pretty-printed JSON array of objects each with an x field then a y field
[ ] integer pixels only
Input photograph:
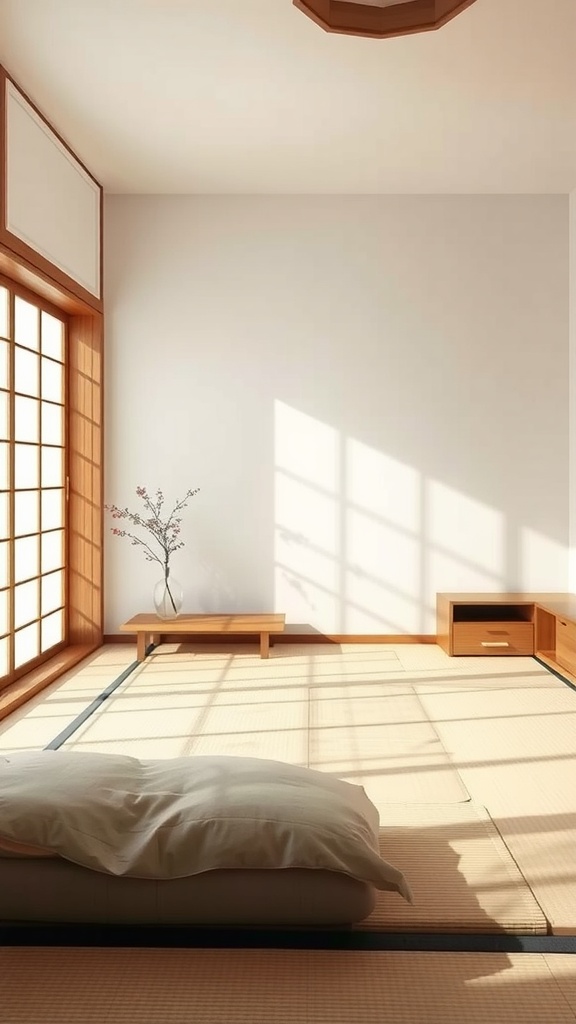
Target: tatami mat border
[
  {"x": 553, "y": 672},
  {"x": 166, "y": 937},
  {"x": 79, "y": 720}
]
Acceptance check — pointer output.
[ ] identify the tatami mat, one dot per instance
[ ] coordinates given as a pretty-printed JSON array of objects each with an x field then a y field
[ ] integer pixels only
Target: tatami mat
[
  {"x": 38, "y": 721},
  {"x": 467, "y": 675},
  {"x": 432, "y": 658},
  {"x": 386, "y": 744},
  {"x": 405, "y": 721},
  {"x": 515, "y": 751},
  {"x": 563, "y": 969},
  {"x": 462, "y": 876},
  {"x": 325, "y": 711},
  {"x": 180, "y": 986}
]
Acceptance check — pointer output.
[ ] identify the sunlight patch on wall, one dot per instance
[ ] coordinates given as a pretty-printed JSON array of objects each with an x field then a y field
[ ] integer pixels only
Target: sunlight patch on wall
[
  {"x": 466, "y": 541},
  {"x": 363, "y": 541},
  {"x": 306, "y": 517},
  {"x": 382, "y": 580},
  {"x": 347, "y": 547}
]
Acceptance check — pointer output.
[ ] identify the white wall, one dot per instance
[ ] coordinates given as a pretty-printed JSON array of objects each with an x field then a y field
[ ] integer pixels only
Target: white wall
[{"x": 371, "y": 392}]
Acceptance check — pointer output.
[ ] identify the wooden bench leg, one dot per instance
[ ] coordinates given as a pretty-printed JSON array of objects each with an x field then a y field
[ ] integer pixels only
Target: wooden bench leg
[
  {"x": 264, "y": 644},
  {"x": 141, "y": 645}
]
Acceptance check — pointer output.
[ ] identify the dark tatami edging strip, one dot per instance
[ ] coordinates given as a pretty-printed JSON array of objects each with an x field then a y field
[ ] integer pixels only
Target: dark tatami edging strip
[
  {"x": 143, "y": 936},
  {"x": 554, "y": 672},
  {"x": 94, "y": 705}
]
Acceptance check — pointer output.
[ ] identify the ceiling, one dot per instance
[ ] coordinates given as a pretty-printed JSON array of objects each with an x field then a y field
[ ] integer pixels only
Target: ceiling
[{"x": 250, "y": 96}]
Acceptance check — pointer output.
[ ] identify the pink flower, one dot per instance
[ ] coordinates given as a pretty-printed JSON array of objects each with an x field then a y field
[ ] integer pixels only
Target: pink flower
[{"x": 164, "y": 532}]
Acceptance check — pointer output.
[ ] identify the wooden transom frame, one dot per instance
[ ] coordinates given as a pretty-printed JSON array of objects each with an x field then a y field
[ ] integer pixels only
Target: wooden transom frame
[{"x": 381, "y": 18}]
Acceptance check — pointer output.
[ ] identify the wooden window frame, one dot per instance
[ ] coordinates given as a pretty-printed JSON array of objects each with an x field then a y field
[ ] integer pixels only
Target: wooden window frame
[
  {"x": 40, "y": 659},
  {"x": 84, "y": 433}
]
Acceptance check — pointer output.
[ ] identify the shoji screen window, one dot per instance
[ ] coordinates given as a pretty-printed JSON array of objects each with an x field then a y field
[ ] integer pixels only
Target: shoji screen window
[{"x": 32, "y": 483}]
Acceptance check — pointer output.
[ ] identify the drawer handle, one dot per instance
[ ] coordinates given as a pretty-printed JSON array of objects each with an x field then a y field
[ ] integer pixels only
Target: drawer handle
[
  {"x": 494, "y": 643},
  {"x": 561, "y": 623}
]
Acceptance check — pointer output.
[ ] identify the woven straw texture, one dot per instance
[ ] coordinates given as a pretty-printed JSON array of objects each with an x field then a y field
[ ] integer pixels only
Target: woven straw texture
[
  {"x": 179, "y": 986},
  {"x": 462, "y": 876},
  {"x": 405, "y": 721}
]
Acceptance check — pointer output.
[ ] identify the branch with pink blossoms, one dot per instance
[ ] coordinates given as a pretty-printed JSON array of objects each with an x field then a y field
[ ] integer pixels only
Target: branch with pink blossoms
[{"x": 165, "y": 533}]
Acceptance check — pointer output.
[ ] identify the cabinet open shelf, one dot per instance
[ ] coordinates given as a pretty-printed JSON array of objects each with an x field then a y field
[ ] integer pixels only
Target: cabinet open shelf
[
  {"x": 493, "y": 613},
  {"x": 510, "y": 624}
]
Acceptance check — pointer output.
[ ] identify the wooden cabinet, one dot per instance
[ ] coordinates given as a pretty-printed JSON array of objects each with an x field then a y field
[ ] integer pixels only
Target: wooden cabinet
[
  {"x": 510, "y": 624},
  {"x": 485, "y": 624},
  {"x": 566, "y": 643}
]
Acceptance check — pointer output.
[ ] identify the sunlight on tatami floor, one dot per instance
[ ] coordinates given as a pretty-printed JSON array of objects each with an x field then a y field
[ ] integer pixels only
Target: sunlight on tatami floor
[{"x": 411, "y": 725}]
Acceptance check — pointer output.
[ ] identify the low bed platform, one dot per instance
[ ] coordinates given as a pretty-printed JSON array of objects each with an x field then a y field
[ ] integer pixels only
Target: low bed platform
[
  {"x": 55, "y": 891},
  {"x": 215, "y": 840}
]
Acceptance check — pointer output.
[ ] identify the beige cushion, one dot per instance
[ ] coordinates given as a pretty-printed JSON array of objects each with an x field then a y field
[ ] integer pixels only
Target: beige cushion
[{"x": 168, "y": 819}]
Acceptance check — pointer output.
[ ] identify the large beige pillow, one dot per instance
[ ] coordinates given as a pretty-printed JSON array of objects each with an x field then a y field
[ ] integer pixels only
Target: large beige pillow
[{"x": 173, "y": 818}]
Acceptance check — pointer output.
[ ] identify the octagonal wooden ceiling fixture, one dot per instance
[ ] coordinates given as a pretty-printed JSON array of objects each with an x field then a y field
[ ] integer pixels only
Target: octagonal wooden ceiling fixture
[{"x": 381, "y": 18}]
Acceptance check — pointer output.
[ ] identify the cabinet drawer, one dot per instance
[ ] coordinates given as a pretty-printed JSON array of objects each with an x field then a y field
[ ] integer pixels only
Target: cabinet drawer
[
  {"x": 493, "y": 638},
  {"x": 566, "y": 644}
]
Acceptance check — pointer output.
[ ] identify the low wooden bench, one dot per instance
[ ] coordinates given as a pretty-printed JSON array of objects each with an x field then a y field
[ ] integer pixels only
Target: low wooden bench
[{"x": 149, "y": 628}]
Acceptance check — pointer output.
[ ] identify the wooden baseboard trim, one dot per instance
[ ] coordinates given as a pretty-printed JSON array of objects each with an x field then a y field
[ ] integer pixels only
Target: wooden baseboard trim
[
  {"x": 291, "y": 638},
  {"x": 16, "y": 694}
]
